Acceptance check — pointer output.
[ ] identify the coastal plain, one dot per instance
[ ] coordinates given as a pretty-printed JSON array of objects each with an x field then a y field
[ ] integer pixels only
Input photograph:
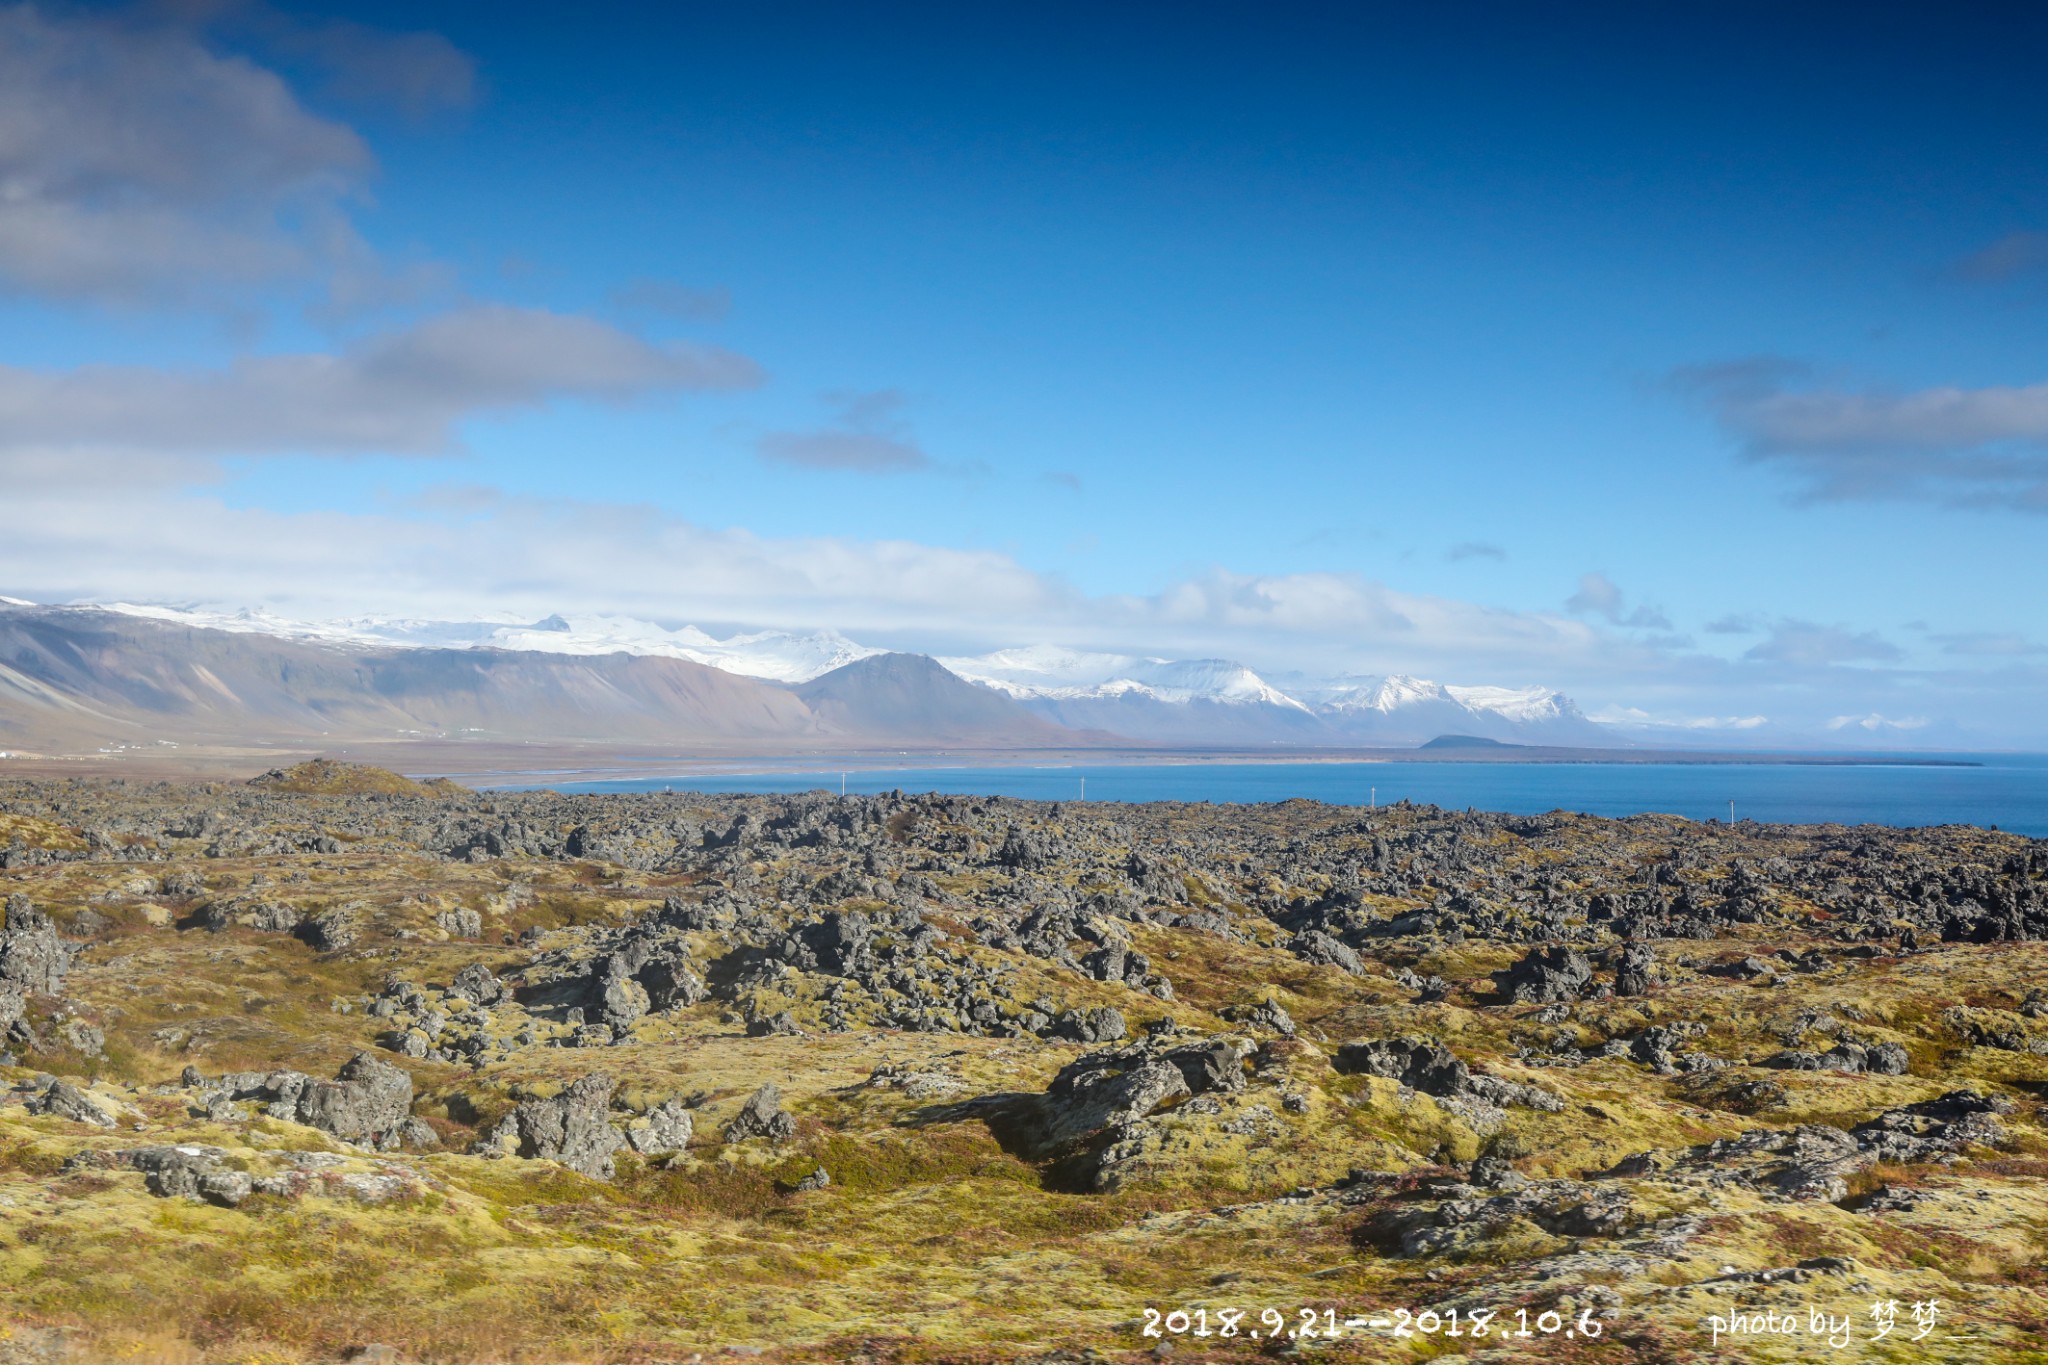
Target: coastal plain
[{"x": 339, "y": 1065}]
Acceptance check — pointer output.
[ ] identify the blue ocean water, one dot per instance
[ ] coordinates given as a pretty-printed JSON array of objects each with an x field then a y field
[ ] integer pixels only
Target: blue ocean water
[{"x": 2008, "y": 791}]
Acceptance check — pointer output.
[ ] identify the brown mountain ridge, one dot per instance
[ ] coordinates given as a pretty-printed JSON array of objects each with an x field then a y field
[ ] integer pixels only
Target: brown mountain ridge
[{"x": 80, "y": 677}]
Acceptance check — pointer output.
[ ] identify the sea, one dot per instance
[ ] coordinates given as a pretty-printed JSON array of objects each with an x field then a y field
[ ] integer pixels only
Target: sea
[{"x": 2005, "y": 791}]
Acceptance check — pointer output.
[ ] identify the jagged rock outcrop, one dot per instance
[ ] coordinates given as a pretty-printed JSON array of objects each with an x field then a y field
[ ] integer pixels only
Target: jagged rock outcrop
[
  {"x": 369, "y": 1101},
  {"x": 475, "y": 984},
  {"x": 185, "y": 1171},
  {"x": 1105, "y": 1090},
  {"x": 1417, "y": 1063},
  {"x": 667, "y": 1127},
  {"x": 573, "y": 1128},
  {"x": 762, "y": 1116},
  {"x": 32, "y": 956},
  {"x": 1635, "y": 970},
  {"x": 1546, "y": 975},
  {"x": 67, "y": 1101}
]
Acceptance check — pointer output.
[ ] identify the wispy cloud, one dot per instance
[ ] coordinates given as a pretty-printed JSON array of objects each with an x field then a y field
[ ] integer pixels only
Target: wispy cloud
[
  {"x": 670, "y": 299},
  {"x": 1989, "y": 644},
  {"x": 868, "y": 436},
  {"x": 1475, "y": 549},
  {"x": 1599, "y": 596},
  {"x": 1964, "y": 447},
  {"x": 398, "y": 392},
  {"x": 2015, "y": 254},
  {"x": 1810, "y": 645}
]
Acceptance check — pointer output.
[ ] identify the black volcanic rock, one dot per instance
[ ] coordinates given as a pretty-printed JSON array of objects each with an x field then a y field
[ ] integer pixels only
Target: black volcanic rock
[{"x": 1546, "y": 975}]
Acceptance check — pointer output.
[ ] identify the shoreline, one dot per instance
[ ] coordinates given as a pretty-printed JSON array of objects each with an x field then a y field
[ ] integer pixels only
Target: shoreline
[
  {"x": 492, "y": 764},
  {"x": 824, "y": 765}
]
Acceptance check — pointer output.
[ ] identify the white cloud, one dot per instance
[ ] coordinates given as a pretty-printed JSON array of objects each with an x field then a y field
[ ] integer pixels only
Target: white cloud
[
  {"x": 467, "y": 553},
  {"x": 398, "y": 392},
  {"x": 466, "y": 550},
  {"x": 1634, "y": 717},
  {"x": 479, "y": 551},
  {"x": 1878, "y": 724}
]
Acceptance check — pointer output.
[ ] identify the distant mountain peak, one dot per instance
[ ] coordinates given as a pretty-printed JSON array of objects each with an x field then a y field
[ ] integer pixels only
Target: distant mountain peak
[{"x": 1468, "y": 742}]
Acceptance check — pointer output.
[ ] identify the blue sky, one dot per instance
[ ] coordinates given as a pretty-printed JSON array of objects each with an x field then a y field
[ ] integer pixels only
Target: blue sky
[{"x": 1681, "y": 357}]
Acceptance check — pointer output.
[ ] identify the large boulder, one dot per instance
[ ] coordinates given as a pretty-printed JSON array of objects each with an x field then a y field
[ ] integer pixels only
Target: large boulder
[
  {"x": 187, "y": 1171},
  {"x": 330, "y": 931},
  {"x": 1266, "y": 1017},
  {"x": 670, "y": 984},
  {"x": 1635, "y": 971},
  {"x": 1321, "y": 949},
  {"x": 622, "y": 1001},
  {"x": 367, "y": 1102},
  {"x": 1101, "y": 1024},
  {"x": 1106, "y": 1090},
  {"x": 1417, "y": 1063},
  {"x": 475, "y": 984},
  {"x": 667, "y": 1127}
]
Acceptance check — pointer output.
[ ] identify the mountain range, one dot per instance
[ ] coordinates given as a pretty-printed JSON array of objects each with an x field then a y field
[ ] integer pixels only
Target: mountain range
[
  {"x": 124, "y": 675},
  {"x": 1220, "y": 701}
]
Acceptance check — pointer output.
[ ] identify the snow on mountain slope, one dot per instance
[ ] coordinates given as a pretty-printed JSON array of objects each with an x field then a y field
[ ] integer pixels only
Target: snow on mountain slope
[
  {"x": 774, "y": 655},
  {"x": 1036, "y": 670},
  {"x": 1070, "y": 675},
  {"x": 246, "y": 621},
  {"x": 1385, "y": 695},
  {"x": 1524, "y": 705}
]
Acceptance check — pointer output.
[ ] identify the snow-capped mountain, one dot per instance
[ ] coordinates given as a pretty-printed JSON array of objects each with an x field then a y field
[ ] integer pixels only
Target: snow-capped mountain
[
  {"x": 1140, "y": 697},
  {"x": 1159, "y": 701},
  {"x": 1066, "y": 674},
  {"x": 1523, "y": 705},
  {"x": 775, "y": 655},
  {"x": 1401, "y": 706},
  {"x": 1222, "y": 701}
]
